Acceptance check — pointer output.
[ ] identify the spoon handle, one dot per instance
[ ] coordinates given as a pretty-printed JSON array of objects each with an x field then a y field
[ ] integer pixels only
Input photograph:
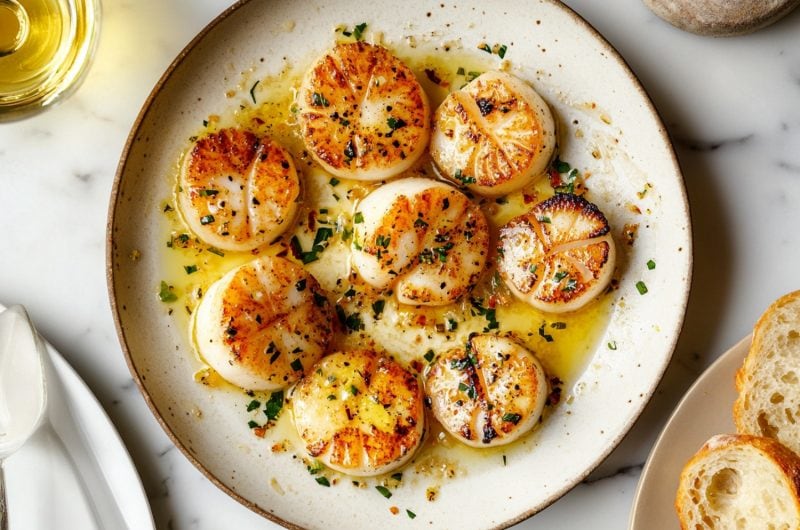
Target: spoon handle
[{"x": 3, "y": 504}]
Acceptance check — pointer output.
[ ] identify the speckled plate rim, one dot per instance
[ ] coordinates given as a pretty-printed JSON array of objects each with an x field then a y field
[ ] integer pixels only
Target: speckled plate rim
[{"x": 114, "y": 200}]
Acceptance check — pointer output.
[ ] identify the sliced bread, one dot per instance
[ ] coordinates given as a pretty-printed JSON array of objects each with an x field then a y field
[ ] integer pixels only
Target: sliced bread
[
  {"x": 769, "y": 380},
  {"x": 738, "y": 481}
]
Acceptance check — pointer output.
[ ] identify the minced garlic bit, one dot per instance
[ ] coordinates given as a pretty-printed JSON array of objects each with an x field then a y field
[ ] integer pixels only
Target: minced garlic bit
[
  {"x": 431, "y": 493},
  {"x": 276, "y": 486}
]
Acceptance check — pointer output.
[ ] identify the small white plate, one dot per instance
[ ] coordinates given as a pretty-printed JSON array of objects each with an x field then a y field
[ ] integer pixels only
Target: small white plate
[
  {"x": 705, "y": 410},
  {"x": 43, "y": 487}
]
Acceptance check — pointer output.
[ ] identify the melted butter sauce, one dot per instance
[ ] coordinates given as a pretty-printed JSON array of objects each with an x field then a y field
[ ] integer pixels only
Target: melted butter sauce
[{"x": 563, "y": 343}]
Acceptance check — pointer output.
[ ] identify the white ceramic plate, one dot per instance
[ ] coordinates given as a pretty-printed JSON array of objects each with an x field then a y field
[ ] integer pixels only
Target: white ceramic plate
[
  {"x": 44, "y": 488},
  {"x": 705, "y": 410},
  {"x": 608, "y": 128}
]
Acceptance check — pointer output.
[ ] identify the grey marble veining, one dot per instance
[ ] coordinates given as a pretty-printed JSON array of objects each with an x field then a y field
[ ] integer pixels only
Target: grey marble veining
[{"x": 732, "y": 107}]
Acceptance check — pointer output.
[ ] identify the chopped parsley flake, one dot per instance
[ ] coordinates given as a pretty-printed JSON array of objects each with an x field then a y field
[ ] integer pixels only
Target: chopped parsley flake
[
  {"x": 318, "y": 100},
  {"x": 383, "y": 490},
  {"x": 275, "y": 404},
  {"x": 641, "y": 287},
  {"x": 252, "y": 424},
  {"x": 296, "y": 365},
  {"x": 358, "y": 218},
  {"x": 253, "y": 405},
  {"x": 165, "y": 293},
  {"x": 651, "y": 265}
]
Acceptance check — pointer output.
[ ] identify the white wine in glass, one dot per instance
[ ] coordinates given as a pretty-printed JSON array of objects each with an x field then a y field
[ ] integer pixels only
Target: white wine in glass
[{"x": 45, "y": 48}]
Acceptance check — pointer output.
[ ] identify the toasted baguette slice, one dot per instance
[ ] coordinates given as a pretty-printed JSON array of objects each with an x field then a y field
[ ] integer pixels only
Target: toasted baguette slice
[
  {"x": 738, "y": 481},
  {"x": 768, "y": 381}
]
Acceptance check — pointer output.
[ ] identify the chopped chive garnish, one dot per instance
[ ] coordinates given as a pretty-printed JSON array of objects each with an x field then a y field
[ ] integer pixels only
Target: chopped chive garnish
[
  {"x": 358, "y": 217},
  {"x": 504, "y": 459},
  {"x": 377, "y": 307},
  {"x": 334, "y": 181},
  {"x": 501, "y": 52},
  {"x": 323, "y": 481},
  {"x": 353, "y": 390},
  {"x": 397, "y": 476},
  {"x": 545, "y": 336},
  {"x": 300, "y": 285},
  {"x": 485, "y": 47},
  {"x": 513, "y": 417},
  {"x": 411, "y": 514},
  {"x": 460, "y": 70},
  {"x": 253, "y": 405},
  {"x": 207, "y": 219},
  {"x": 252, "y": 424},
  {"x": 429, "y": 355},
  {"x": 253, "y": 91},
  {"x": 296, "y": 365},
  {"x": 612, "y": 345},
  {"x": 651, "y": 265},
  {"x": 383, "y": 490},
  {"x": 190, "y": 269},
  {"x": 274, "y": 405},
  {"x": 641, "y": 287},
  {"x": 216, "y": 251},
  {"x": 208, "y": 193},
  {"x": 395, "y": 123}
]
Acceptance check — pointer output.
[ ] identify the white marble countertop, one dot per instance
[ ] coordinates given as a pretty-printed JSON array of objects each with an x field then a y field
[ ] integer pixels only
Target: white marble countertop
[{"x": 731, "y": 105}]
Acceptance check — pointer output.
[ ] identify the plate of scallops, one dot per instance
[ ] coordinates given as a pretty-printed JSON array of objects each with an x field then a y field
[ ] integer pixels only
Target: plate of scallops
[{"x": 364, "y": 265}]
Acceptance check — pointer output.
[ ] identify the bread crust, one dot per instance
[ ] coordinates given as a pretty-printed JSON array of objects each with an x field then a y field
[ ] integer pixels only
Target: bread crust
[
  {"x": 785, "y": 459},
  {"x": 755, "y": 410}
]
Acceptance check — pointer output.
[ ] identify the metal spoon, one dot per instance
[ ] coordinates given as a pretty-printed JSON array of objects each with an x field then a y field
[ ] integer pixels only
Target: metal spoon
[
  {"x": 55, "y": 409},
  {"x": 23, "y": 393}
]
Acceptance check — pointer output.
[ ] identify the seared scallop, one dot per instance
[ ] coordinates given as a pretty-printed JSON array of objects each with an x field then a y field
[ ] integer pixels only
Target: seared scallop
[
  {"x": 237, "y": 191},
  {"x": 422, "y": 238},
  {"x": 359, "y": 413},
  {"x": 488, "y": 393},
  {"x": 263, "y": 325},
  {"x": 363, "y": 113},
  {"x": 494, "y": 136},
  {"x": 558, "y": 256}
]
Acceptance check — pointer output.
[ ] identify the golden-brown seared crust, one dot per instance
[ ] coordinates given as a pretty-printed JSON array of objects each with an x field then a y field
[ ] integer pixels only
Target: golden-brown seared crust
[
  {"x": 363, "y": 113},
  {"x": 423, "y": 238},
  {"x": 494, "y": 136},
  {"x": 487, "y": 393},
  {"x": 559, "y": 255},
  {"x": 359, "y": 412},
  {"x": 264, "y": 324},
  {"x": 237, "y": 191},
  {"x": 768, "y": 379},
  {"x": 698, "y": 474}
]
